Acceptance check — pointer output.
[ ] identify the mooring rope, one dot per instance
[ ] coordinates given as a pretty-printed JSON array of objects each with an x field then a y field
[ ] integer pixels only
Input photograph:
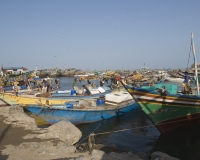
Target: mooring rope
[
  {"x": 78, "y": 143},
  {"x": 127, "y": 129},
  {"x": 141, "y": 127},
  {"x": 121, "y": 130}
]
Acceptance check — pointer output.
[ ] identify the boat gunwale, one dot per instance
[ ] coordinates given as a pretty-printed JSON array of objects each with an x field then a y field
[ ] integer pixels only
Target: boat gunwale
[{"x": 97, "y": 108}]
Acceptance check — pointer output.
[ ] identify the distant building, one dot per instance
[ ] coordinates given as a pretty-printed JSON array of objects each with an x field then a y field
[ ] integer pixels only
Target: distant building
[{"x": 12, "y": 70}]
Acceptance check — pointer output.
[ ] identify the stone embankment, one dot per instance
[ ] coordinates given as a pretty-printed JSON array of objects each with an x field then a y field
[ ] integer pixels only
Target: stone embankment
[{"x": 55, "y": 142}]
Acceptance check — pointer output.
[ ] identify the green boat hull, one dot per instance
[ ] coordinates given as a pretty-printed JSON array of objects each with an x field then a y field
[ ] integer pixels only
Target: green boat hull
[{"x": 167, "y": 112}]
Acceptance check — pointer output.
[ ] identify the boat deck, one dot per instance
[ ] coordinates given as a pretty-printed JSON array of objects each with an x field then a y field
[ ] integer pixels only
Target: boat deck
[{"x": 89, "y": 105}]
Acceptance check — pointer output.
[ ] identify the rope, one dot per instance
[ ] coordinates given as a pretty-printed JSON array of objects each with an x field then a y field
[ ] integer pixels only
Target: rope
[
  {"x": 123, "y": 130},
  {"x": 78, "y": 143},
  {"x": 140, "y": 127}
]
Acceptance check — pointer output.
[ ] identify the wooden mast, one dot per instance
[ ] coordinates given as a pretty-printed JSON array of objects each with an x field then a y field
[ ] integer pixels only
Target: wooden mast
[{"x": 195, "y": 63}]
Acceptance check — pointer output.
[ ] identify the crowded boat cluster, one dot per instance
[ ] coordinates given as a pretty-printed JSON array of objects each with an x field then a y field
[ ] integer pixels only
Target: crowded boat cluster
[{"x": 103, "y": 93}]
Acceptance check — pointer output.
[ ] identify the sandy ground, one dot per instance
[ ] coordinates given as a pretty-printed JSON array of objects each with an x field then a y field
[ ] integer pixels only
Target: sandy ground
[
  {"x": 16, "y": 143},
  {"x": 10, "y": 135}
]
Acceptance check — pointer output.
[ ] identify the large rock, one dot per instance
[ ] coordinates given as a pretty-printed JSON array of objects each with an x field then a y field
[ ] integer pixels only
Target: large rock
[
  {"x": 124, "y": 156},
  {"x": 143, "y": 156},
  {"x": 65, "y": 131},
  {"x": 161, "y": 156},
  {"x": 99, "y": 155}
]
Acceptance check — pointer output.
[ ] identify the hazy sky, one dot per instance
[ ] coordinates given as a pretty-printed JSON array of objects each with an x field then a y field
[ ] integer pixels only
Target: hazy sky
[{"x": 98, "y": 34}]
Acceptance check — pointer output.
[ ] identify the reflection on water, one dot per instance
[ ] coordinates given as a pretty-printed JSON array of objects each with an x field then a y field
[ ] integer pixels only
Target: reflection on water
[
  {"x": 136, "y": 140},
  {"x": 183, "y": 143}
]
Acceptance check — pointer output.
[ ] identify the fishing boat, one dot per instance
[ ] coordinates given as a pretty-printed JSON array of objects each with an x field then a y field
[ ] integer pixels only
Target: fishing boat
[
  {"x": 84, "y": 110},
  {"x": 178, "y": 79},
  {"x": 28, "y": 97},
  {"x": 173, "y": 79},
  {"x": 169, "y": 111}
]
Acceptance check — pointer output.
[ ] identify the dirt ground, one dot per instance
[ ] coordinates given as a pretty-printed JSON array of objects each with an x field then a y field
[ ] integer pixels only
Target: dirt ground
[{"x": 11, "y": 139}]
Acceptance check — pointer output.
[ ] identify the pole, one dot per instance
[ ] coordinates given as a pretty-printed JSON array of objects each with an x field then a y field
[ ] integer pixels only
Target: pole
[{"x": 195, "y": 63}]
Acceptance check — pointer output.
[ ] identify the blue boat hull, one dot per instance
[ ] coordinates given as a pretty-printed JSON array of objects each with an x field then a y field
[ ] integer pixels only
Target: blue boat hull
[
  {"x": 9, "y": 88},
  {"x": 78, "y": 116}
]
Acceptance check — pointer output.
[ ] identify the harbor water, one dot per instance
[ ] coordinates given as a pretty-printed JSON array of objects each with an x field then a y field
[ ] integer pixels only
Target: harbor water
[{"x": 133, "y": 131}]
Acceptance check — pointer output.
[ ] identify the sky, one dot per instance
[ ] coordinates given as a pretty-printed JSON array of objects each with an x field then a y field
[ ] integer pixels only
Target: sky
[{"x": 99, "y": 34}]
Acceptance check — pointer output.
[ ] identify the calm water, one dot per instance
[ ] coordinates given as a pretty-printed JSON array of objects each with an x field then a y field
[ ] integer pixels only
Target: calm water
[{"x": 183, "y": 144}]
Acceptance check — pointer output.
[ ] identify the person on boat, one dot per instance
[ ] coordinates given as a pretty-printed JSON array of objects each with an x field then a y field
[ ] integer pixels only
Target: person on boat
[
  {"x": 75, "y": 85},
  {"x": 57, "y": 82},
  {"x": 105, "y": 80},
  {"x": 25, "y": 80},
  {"x": 15, "y": 88},
  {"x": 1, "y": 89},
  {"x": 152, "y": 82},
  {"x": 186, "y": 77},
  {"x": 89, "y": 86},
  {"x": 101, "y": 83},
  {"x": 186, "y": 85},
  {"x": 45, "y": 86},
  {"x": 39, "y": 85},
  {"x": 164, "y": 91},
  {"x": 5, "y": 81},
  {"x": 138, "y": 85},
  {"x": 113, "y": 83},
  {"x": 186, "y": 82},
  {"x": 86, "y": 91}
]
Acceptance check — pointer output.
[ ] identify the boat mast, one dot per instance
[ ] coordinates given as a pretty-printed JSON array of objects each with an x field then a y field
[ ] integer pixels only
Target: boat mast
[{"x": 195, "y": 63}]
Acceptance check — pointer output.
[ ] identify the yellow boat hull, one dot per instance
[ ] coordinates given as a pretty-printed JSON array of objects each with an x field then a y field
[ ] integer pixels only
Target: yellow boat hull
[{"x": 22, "y": 100}]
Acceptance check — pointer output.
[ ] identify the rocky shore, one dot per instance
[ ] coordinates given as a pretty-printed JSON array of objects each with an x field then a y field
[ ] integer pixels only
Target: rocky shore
[{"x": 21, "y": 139}]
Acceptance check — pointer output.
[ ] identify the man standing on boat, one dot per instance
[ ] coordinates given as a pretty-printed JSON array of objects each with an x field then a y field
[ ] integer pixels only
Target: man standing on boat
[
  {"x": 186, "y": 81},
  {"x": 75, "y": 85}
]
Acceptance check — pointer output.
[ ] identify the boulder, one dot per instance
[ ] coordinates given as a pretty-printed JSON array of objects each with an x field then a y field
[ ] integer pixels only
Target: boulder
[
  {"x": 65, "y": 131},
  {"x": 162, "y": 156},
  {"x": 124, "y": 156},
  {"x": 99, "y": 155},
  {"x": 82, "y": 158},
  {"x": 143, "y": 156}
]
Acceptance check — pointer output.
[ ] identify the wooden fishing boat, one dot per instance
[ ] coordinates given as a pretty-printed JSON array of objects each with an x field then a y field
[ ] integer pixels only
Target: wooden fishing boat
[
  {"x": 169, "y": 111},
  {"x": 26, "y": 98},
  {"x": 173, "y": 79},
  {"x": 82, "y": 110}
]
